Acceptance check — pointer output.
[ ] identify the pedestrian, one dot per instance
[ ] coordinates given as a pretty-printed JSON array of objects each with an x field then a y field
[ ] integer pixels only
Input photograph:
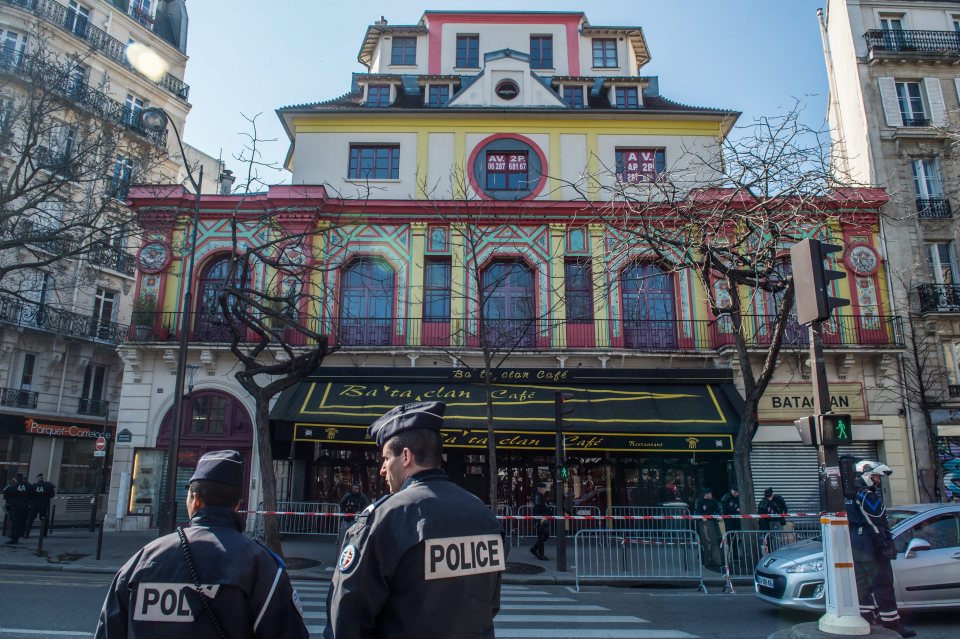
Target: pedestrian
[
  {"x": 541, "y": 507},
  {"x": 17, "y": 497},
  {"x": 426, "y": 560},
  {"x": 353, "y": 502},
  {"x": 208, "y": 580},
  {"x": 873, "y": 549},
  {"x": 730, "y": 506},
  {"x": 709, "y": 529},
  {"x": 772, "y": 504},
  {"x": 43, "y": 492}
]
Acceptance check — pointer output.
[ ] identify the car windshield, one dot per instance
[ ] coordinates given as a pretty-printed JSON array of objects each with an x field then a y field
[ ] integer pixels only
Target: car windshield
[{"x": 896, "y": 517}]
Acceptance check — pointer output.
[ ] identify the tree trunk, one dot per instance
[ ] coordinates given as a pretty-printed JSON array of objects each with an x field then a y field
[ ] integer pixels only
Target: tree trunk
[
  {"x": 741, "y": 466},
  {"x": 491, "y": 439},
  {"x": 268, "y": 480}
]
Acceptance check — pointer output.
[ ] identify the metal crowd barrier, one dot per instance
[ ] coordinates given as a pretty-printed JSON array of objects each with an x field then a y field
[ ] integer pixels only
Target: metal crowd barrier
[
  {"x": 307, "y": 524},
  {"x": 504, "y": 510},
  {"x": 651, "y": 511},
  {"x": 528, "y": 527},
  {"x": 638, "y": 554},
  {"x": 743, "y": 549}
]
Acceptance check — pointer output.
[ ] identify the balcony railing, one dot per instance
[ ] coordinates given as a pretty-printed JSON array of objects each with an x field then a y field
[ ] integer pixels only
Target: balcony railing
[
  {"x": 113, "y": 258},
  {"x": 43, "y": 317},
  {"x": 45, "y": 237},
  {"x": 58, "y": 81},
  {"x": 934, "y": 208},
  {"x": 940, "y": 43},
  {"x": 953, "y": 390},
  {"x": 916, "y": 121},
  {"x": 93, "y": 407},
  {"x": 18, "y": 398},
  {"x": 939, "y": 298},
  {"x": 98, "y": 39},
  {"x": 539, "y": 334}
]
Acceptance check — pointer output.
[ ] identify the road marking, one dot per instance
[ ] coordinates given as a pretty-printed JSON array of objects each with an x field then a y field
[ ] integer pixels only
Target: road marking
[
  {"x": 568, "y": 619},
  {"x": 534, "y": 599},
  {"x": 535, "y": 633},
  {"x": 45, "y": 633},
  {"x": 581, "y": 608}
]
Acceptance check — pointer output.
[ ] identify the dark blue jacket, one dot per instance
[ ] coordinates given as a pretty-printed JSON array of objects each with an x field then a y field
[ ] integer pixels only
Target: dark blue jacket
[
  {"x": 153, "y": 595},
  {"x": 867, "y": 518}
]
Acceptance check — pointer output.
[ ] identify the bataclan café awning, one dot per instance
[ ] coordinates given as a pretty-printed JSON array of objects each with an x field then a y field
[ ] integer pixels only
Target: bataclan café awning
[{"x": 617, "y": 410}]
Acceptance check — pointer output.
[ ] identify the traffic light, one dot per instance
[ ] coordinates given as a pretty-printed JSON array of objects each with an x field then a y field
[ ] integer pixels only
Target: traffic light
[
  {"x": 807, "y": 427},
  {"x": 558, "y": 412},
  {"x": 811, "y": 280},
  {"x": 835, "y": 430},
  {"x": 564, "y": 472}
]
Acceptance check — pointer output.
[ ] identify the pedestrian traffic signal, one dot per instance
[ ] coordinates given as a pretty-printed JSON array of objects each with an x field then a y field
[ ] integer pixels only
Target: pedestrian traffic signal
[
  {"x": 807, "y": 427},
  {"x": 835, "y": 430},
  {"x": 811, "y": 280},
  {"x": 563, "y": 471}
]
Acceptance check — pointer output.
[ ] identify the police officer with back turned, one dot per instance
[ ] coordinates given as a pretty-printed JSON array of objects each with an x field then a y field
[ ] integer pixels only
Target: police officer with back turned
[
  {"x": 18, "y": 495},
  {"x": 208, "y": 580},
  {"x": 425, "y": 561}
]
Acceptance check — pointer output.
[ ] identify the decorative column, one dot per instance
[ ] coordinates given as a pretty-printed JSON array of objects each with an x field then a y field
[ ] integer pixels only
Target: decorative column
[
  {"x": 557, "y": 305},
  {"x": 459, "y": 285},
  {"x": 417, "y": 259},
  {"x": 601, "y": 291}
]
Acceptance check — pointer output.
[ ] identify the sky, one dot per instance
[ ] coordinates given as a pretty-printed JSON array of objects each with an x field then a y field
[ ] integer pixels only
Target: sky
[{"x": 248, "y": 58}]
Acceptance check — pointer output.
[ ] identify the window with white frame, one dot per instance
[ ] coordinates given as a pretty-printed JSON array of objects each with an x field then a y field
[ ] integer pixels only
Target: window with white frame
[
  {"x": 910, "y": 99},
  {"x": 942, "y": 262},
  {"x": 94, "y": 383},
  {"x": 927, "y": 178},
  {"x": 132, "y": 108},
  {"x": 122, "y": 173},
  {"x": 891, "y": 22},
  {"x": 12, "y": 46},
  {"x": 58, "y": 151},
  {"x": 142, "y": 11},
  {"x": 77, "y": 80},
  {"x": 104, "y": 304},
  {"x": 50, "y": 213},
  {"x": 77, "y": 18}
]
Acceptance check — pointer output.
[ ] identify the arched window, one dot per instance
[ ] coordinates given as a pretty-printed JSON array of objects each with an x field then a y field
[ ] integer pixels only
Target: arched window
[
  {"x": 210, "y": 325},
  {"x": 649, "y": 315},
  {"x": 508, "y": 304},
  {"x": 366, "y": 302}
]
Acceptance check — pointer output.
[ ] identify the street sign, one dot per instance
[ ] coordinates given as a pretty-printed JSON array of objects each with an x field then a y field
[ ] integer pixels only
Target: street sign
[
  {"x": 101, "y": 445},
  {"x": 99, "y": 453},
  {"x": 124, "y": 436}
]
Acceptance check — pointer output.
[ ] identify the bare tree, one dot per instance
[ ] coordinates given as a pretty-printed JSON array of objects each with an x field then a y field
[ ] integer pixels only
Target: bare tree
[
  {"x": 729, "y": 214},
  {"x": 68, "y": 153}
]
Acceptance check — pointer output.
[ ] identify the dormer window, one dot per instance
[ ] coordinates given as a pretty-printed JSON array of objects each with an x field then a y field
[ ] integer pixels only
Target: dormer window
[
  {"x": 403, "y": 51},
  {"x": 605, "y": 53},
  {"x": 573, "y": 97},
  {"x": 507, "y": 90},
  {"x": 438, "y": 95},
  {"x": 541, "y": 52},
  {"x": 378, "y": 95},
  {"x": 468, "y": 51},
  {"x": 627, "y": 97}
]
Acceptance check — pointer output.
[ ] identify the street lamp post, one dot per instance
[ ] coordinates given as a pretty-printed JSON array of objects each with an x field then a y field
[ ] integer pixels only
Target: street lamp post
[{"x": 156, "y": 119}]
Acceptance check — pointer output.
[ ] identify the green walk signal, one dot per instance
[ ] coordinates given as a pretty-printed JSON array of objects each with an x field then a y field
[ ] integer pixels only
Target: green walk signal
[
  {"x": 564, "y": 472},
  {"x": 835, "y": 430}
]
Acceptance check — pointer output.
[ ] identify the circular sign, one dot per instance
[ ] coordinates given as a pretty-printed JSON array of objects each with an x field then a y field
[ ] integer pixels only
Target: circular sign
[
  {"x": 862, "y": 259},
  {"x": 101, "y": 444},
  {"x": 507, "y": 90},
  {"x": 154, "y": 257}
]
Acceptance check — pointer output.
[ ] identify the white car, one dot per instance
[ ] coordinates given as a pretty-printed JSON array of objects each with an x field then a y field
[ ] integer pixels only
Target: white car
[{"x": 926, "y": 570}]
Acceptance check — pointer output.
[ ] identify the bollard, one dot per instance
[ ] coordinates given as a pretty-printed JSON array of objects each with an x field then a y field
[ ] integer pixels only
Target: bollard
[
  {"x": 43, "y": 529},
  {"x": 843, "y": 608},
  {"x": 53, "y": 512},
  {"x": 100, "y": 540}
]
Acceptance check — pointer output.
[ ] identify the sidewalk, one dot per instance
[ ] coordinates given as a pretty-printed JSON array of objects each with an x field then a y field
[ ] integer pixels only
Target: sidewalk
[{"x": 308, "y": 557}]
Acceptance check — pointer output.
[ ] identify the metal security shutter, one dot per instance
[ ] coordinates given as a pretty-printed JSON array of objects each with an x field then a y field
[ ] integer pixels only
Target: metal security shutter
[{"x": 791, "y": 469}]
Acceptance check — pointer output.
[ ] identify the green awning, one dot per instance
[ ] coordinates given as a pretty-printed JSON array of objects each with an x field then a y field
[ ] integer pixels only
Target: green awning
[{"x": 622, "y": 410}]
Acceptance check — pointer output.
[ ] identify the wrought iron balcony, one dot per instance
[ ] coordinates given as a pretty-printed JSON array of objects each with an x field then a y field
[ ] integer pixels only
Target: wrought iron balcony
[
  {"x": 846, "y": 331},
  {"x": 98, "y": 39},
  {"x": 113, "y": 258},
  {"x": 953, "y": 390},
  {"x": 18, "y": 397},
  {"x": 93, "y": 407},
  {"x": 45, "y": 237},
  {"x": 939, "y": 298},
  {"x": 934, "y": 208},
  {"x": 46, "y": 318},
  {"x": 58, "y": 81},
  {"x": 920, "y": 43},
  {"x": 916, "y": 121}
]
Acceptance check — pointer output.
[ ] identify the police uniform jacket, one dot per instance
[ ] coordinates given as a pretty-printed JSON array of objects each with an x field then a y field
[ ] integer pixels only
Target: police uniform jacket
[
  {"x": 18, "y": 494},
  {"x": 540, "y": 506},
  {"x": 153, "y": 595},
  {"x": 423, "y": 563},
  {"x": 867, "y": 518},
  {"x": 43, "y": 492},
  {"x": 730, "y": 505}
]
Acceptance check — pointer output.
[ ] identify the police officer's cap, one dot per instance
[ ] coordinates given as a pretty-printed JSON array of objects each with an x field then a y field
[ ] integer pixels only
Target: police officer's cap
[
  {"x": 221, "y": 466},
  {"x": 425, "y": 415}
]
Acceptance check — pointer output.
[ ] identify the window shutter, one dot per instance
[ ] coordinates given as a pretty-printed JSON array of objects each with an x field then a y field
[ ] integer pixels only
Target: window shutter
[
  {"x": 938, "y": 111},
  {"x": 888, "y": 96}
]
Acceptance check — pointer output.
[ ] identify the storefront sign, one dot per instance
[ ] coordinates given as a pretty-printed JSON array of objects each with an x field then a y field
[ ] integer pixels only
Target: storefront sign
[
  {"x": 34, "y": 427},
  {"x": 535, "y": 440},
  {"x": 782, "y": 402}
]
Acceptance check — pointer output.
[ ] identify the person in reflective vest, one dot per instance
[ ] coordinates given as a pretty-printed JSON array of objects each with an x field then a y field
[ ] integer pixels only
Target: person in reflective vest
[
  {"x": 425, "y": 561},
  {"x": 211, "y": 582}
]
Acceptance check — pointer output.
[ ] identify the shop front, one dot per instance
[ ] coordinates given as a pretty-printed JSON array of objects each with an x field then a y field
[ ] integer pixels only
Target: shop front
[
  {"x": 65, "y": 453},
  {"x": 633, "y": 437}
]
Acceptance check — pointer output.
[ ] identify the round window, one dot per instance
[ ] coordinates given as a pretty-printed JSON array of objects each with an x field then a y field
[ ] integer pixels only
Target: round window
[{"x": 507, "y": 89}]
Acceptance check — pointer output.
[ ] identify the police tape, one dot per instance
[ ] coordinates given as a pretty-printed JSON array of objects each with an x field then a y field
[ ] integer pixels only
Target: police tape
[{"x": 571, "y": 517}]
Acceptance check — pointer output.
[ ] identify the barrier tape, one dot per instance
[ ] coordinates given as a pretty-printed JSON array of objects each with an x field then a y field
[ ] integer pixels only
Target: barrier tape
[{"x": 574, "y": 517}]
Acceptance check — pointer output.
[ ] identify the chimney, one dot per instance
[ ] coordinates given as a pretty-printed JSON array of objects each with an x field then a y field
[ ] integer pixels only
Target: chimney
[
  {"x": 382, "y": 22},
  {"x": 227, "y": 179}
]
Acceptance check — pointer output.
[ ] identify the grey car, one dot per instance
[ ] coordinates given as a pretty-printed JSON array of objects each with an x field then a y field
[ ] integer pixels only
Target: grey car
[{"x": 926, "y": 570}]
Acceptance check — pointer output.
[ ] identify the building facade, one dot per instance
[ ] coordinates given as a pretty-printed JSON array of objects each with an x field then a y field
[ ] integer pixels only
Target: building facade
[
  {"x": 893, "y": 113},
  {"x": 71, "y": 103},
  {"x": 447, "y": 225}
]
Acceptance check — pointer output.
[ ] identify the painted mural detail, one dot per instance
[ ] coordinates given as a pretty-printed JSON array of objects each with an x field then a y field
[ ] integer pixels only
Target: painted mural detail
[
  {"x": 950, "y": 461},
  {"x": 869, "y": 305}
]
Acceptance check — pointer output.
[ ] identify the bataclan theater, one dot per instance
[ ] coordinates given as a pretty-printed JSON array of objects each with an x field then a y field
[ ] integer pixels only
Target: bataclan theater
[{"x": 632, "y": 437}]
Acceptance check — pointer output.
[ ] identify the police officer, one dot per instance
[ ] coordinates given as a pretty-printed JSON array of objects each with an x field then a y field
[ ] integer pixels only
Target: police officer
[
  {"x": 43, "y": 492},
  {"x": 709, "y": 528},
  {"x": 772, "y": 504},
  {"x": 873, "y": 548},
  {"x": 730, "y": 505},
  {"x": 245, "y": 588},
  {"x": 426, "y": 560},
  {"x": 540, "y": 508},
  {"x": 18, "y": 494}
]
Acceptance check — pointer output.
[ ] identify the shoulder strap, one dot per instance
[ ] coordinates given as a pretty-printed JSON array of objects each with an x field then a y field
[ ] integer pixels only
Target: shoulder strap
[{"x": 196, "y": 580}]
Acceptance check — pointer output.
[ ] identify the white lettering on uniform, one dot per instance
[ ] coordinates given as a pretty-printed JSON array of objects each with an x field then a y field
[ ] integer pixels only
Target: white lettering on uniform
[
  {"x": 462, "y": 556},
  {"x": 167, "y": 602}
]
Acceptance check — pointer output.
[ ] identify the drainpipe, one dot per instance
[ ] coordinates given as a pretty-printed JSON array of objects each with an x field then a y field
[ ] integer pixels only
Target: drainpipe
[{"x": 63, "y": 375}]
